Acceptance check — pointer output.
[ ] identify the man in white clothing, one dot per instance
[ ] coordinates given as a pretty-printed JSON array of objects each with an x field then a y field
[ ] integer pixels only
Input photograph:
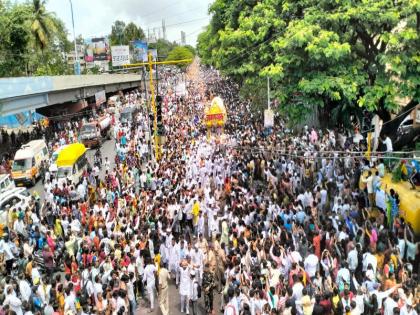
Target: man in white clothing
[
  {"x": 149, "y": 279},
  {"x": 13, "y": 301},
  {"x": 184, "y": 286},
  {"x": 311, "y": 264}
]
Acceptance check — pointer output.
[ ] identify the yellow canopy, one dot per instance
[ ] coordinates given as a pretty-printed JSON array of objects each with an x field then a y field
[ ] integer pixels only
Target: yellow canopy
[
  {"x": 215, "y": 115},
  {"x": 69, "y": 155},
  {"x": 409, "y": 199}
]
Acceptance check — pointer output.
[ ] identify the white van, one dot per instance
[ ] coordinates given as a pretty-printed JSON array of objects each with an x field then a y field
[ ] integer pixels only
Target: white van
[
  {"x": 28, "y": 161},
  {"x": 53, "y": 161}
]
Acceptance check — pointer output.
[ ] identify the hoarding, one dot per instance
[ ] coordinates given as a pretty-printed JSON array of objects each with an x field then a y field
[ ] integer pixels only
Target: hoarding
[
  {"x": 100, "y": 97},
  {"x": 140, "y": 50},
  {"x": 97, "y": 49},
  {"x": 268, "y": 118},
  {"x": 154, "y": 54},
  {"x": 120, "y": 55}
]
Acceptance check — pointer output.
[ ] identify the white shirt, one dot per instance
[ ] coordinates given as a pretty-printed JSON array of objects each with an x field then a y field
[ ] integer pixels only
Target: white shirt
[
  {"x": 389, "y": 306},
  {"x": 149, "y": 275},
  {"x": 14, "y": 302},
  {"x": 311, "y": 264},
  {"x": 184, "y": 281}
]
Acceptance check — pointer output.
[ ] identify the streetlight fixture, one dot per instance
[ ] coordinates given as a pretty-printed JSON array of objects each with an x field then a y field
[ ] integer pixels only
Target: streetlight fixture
[{"x": 76, "y": 56}]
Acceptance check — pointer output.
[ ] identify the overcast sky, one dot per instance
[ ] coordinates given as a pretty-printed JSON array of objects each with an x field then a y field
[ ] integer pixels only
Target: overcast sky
[{"x": 93, "y": 18}]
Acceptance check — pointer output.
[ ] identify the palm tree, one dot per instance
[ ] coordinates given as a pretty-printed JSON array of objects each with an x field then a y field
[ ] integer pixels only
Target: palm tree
[{"x": 42, "y": 24}]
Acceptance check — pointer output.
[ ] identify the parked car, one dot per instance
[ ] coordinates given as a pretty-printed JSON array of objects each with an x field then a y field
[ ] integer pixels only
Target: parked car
[{"x": 18, "y": 197}]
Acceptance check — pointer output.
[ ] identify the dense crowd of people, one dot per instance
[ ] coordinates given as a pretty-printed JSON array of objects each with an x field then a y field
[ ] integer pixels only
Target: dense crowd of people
[{"x": 242, "y": 222}]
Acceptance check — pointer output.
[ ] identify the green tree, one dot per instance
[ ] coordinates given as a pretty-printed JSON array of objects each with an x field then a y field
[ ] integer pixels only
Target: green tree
[
  {"x": 341, "y": 57},
  {"x": 14, "y": 37},
  {"x": 180, "y": 53},
  {"x": 163, "y": 47},
  {"x": 33, "y": 41},
  {"x": 117, "y": 33},
  {"x": 132, "y": 32},
  {"x": 190, "y": 48},
  {"x": 43, "y": 24}
]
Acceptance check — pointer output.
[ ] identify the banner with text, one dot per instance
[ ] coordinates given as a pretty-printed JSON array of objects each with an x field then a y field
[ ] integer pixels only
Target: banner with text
[{"x": 120, "y": 55}]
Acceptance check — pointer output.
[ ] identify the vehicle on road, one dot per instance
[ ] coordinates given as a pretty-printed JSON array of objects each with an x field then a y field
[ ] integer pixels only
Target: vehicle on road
[
  {"x": 29, "y": 161},
  {"x": 14, "y": 198},
  {"x": 127, "y": 114},
  {"x": 72, "y": 162},
  {"x": 6, "y": 183},
  {"x": 53, "y": 161},
  {"x": 93, "y": 133}
]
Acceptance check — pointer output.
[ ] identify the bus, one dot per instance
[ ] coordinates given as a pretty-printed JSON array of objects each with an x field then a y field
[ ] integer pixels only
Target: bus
[{"x": 71, "y": 163}]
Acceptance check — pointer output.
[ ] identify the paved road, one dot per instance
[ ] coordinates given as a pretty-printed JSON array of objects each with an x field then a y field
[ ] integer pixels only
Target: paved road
[
  {"x": 175, "y": 304},
  {"x": 108, "y": 150}
]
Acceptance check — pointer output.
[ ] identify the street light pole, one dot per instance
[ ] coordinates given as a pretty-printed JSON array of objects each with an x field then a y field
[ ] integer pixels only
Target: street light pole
[
  {"x": 76, "y": 56},
  {"x": 268, "y": 93}
]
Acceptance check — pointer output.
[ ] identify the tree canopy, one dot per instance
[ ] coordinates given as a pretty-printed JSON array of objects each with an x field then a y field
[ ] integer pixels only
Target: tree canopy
[
  {"x": 180, "y": 53},
  {"x": 123, "y": 34},
  {"x": 339, "y": 57},
  {"x": 33, "y": 41}
]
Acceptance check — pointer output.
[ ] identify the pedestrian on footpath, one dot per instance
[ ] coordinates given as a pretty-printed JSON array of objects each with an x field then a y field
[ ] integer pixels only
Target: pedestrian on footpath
[{"x": 163, "y": 278}]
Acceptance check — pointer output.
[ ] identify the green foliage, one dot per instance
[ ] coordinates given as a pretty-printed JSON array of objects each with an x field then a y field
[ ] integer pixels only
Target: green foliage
[
  {"x": 180, "y": 53},
  {"x": 14, "y": 36},
  {"x": 341, "y": 56},
  {"x": 191, "y": 48},
  {"x": 42, "y": 24},
  {"x": 33, "y": 41},
  {"x": 122, "y": 34},
  {"x": 117, "y": 33},
  {"x": 163, "y": 47},
  {"x": 132, "y": 32}
]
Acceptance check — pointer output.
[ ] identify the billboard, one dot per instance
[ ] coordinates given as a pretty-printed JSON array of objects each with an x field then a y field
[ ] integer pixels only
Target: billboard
[
  {"x": 268, "y": 118},
  {"x": 140, "y": 50},
  {"x": 154, "y": 54},
  {"x": 120, "y": 55},
  {"x": 97, "y": 49},
  {"x": 100, "y": 97}
]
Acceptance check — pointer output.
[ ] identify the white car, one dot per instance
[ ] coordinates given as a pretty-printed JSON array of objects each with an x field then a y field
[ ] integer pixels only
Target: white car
[
  {"x": 14, "y": 198},
  {"x": 6, "y": 183}
]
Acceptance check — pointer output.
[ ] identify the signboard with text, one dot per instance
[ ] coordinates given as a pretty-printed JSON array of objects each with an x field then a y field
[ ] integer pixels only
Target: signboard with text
[{"x": 120, "y": 55}]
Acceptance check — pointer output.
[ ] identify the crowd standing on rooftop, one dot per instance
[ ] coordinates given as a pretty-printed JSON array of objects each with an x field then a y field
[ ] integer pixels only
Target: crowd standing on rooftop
[{"x": 270, "y": 221}]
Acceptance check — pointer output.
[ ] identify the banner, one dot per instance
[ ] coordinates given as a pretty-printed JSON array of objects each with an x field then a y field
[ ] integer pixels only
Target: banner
[
  {"x": 120, "y": 55},
  {"x": 154, "y": 54},
  {"x": 100, "y": 97},
  {"x": 140, "y": 50},
  {"x": 97, "y": 49},
  {"x": 268, "y": 118}
]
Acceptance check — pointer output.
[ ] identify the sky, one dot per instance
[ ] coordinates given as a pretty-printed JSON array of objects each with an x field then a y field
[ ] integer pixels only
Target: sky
[{"x": 94, "y": 18}]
